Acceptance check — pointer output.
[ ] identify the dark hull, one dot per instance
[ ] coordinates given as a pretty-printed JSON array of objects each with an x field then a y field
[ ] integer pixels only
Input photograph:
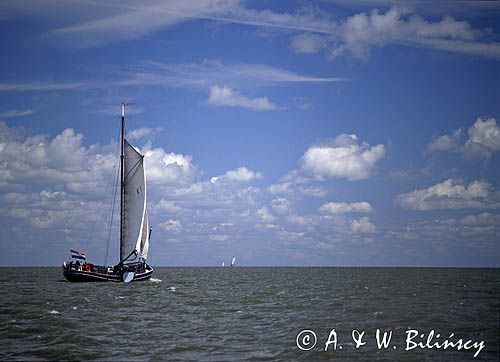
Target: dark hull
[{"x": 73, "y": 275}]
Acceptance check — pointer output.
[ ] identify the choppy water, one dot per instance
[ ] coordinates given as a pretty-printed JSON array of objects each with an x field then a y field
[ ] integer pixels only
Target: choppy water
[{"x": 233, "y": 314}]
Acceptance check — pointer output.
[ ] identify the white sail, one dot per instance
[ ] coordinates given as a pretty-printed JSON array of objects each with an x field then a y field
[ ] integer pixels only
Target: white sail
[
  {"x": 222, "y": 263},
  {"x": 233, "y": 261},
  {"x": 134, "y": 215},
  {"x": 145, "y": 237}
]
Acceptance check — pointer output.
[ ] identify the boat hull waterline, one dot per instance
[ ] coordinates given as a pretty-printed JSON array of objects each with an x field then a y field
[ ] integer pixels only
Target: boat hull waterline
[{"x": 76, "y": 275}]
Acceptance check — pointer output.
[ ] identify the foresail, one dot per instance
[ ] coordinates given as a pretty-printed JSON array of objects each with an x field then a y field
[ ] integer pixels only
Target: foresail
[
  {"x": 145, "y": 237},
  {"x": 134, "y": 202}
]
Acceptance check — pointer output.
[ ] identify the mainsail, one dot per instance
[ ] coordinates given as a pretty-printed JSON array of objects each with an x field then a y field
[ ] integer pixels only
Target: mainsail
[{"x": 135, "y": 226}]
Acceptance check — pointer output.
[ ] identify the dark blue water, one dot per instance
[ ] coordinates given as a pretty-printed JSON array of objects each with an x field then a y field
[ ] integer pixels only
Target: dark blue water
[{"x": 234, "y": 314}]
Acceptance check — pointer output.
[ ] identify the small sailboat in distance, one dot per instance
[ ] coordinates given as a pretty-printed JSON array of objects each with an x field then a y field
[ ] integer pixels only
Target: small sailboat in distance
[
  {"x": 223, "y": 265},
  {"x": 135, "y": 232},
  {"x": 233, "y": 261}
]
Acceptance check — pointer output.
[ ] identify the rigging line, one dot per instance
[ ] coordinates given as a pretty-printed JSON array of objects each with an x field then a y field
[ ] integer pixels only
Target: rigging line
[
  {"x": 134, "y": 167},
  {"x": 112, "y": 206},
  {"x": 102, "y": 202},
  {"x": 111, "y": 219},
  {"x": 100, "y": 207}
]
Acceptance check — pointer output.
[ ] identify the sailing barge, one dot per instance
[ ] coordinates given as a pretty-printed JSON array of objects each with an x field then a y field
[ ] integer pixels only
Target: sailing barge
[{"x": 135, "y": 232}]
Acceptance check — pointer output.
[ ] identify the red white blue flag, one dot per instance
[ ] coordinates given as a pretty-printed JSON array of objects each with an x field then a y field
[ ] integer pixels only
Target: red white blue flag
[{"x": 77, "y": 255}]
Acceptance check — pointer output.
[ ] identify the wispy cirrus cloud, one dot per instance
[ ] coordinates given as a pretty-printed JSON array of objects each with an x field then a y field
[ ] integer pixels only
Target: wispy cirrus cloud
[
  {"x": 133, "y": 20},
  {"x": 12, "y": 113},
  {"x": 355, "y": 35},
  {"x": 43, "y": 86},
  {"x": 313, "y": 29},
  {"x": 197, "y": 75},
  {"x": 108, "y": 23},
  {"x": 209, "y": 72}
]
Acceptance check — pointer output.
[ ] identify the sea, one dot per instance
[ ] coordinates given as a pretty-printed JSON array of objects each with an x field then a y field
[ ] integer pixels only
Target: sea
[{"x": 254, "y": 314}]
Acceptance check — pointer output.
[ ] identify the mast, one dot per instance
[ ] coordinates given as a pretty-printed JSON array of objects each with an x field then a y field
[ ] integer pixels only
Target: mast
[{"x": 122, "y": 177}]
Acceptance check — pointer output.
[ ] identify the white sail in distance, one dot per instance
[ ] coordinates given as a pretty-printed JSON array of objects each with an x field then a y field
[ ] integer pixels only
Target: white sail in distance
[
  {"x": 135, "y": 226},
  {"x": 233, "y": 261}
]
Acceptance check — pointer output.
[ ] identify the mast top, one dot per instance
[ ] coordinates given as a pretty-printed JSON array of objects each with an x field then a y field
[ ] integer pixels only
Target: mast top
[{"x": 126, "y": 104}]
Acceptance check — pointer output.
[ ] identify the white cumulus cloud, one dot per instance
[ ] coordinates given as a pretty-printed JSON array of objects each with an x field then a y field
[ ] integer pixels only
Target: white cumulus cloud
[
  {"x": 265, "y": 214},
  {"x": 484, "y": 138},
  {"x": 142, "y": 132},
  {"x": 241, "y": 174},
  {"x": 451, "y": 194},
  {"x": 363, "y": 225},
  {"x": 482, "y": 219},
  {"x": 359, "y": 34},
  {"x": 167, "y": 168},
  {"x": 345, "y": 157},
  {"x": 482, "y": 141},
  {"x": 281, "y": 205},
  {"x": 171, "y": 225},
  {"x": 61, "y": 160},
  {"x": 444, "y": 142},
  {"x": 228, "y": 97},
  {"x": 344, "y": 207}
]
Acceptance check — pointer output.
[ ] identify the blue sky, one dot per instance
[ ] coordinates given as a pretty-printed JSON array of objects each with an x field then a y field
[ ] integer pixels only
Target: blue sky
[{"x": 285, "y": 133}]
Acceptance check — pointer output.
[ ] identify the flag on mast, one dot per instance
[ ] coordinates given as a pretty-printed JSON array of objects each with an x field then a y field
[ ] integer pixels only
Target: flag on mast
[{"x": 77, "y": 255}]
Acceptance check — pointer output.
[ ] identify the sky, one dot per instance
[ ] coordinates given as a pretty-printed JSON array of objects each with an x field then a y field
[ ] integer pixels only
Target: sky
[{"x": 307, "y": 133}]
